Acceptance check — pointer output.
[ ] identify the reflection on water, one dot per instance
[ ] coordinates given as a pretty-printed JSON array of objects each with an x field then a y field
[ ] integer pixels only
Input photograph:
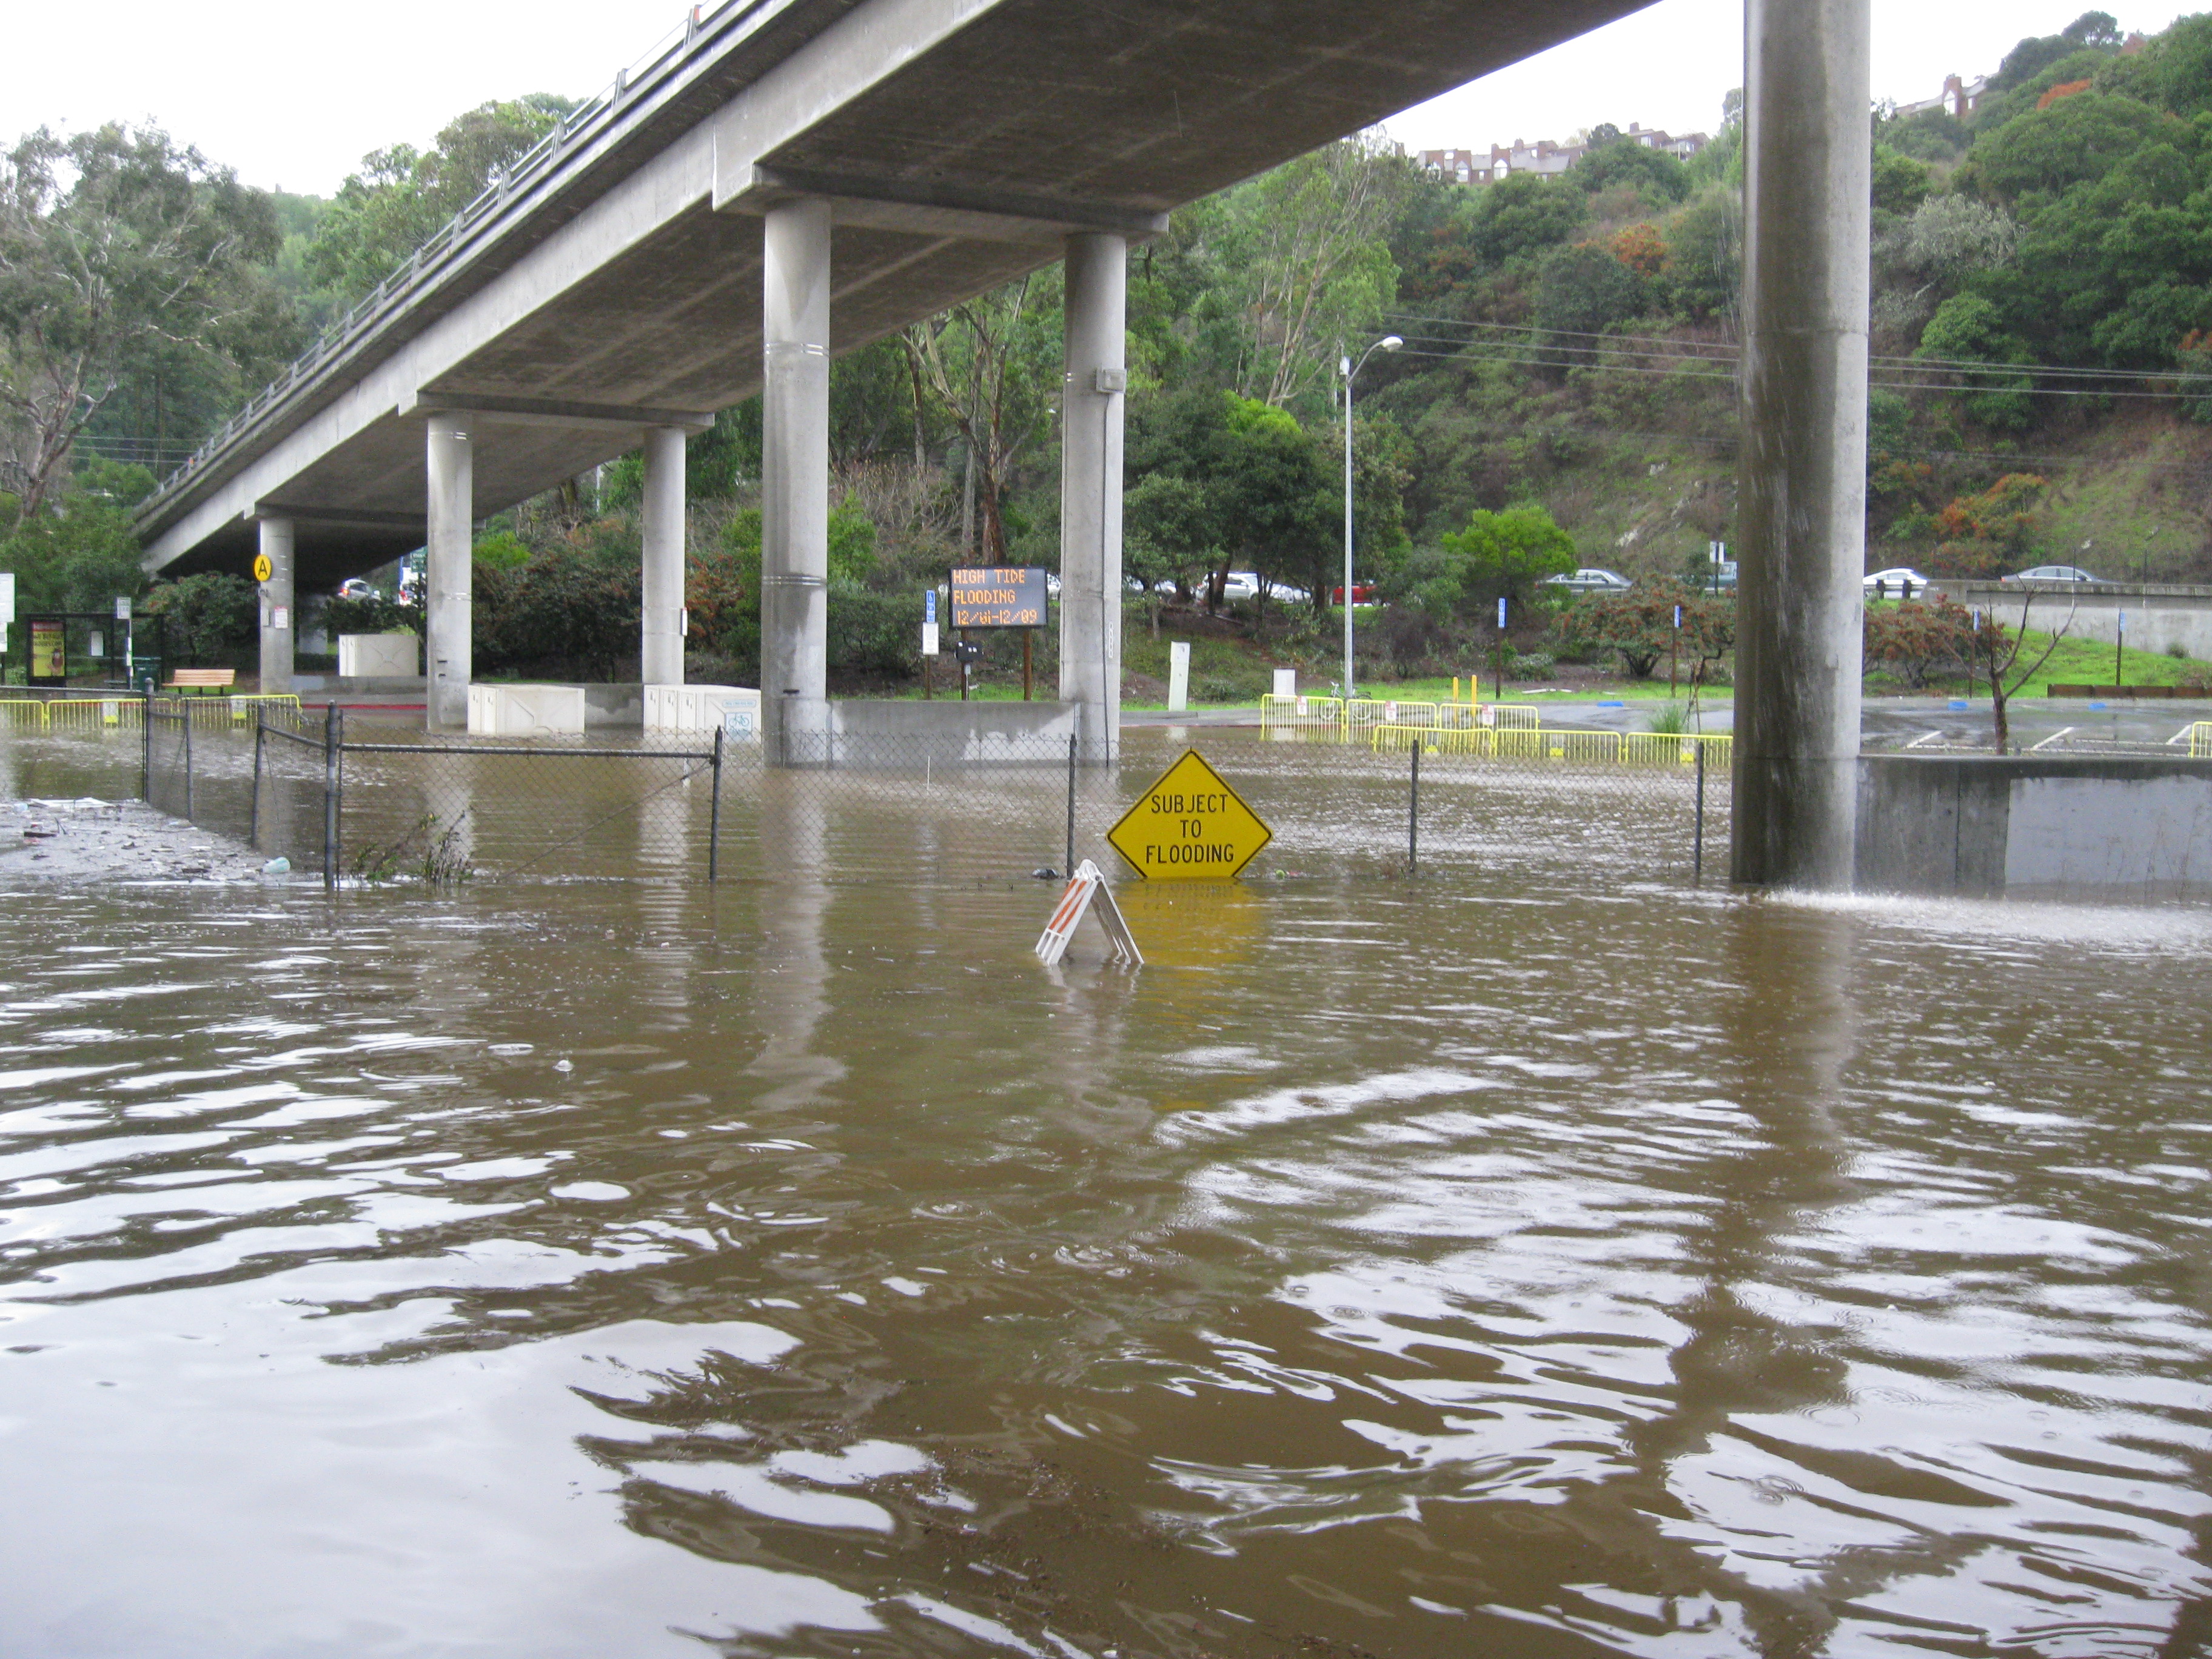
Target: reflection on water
[{"x": 1486, "y": 1263}]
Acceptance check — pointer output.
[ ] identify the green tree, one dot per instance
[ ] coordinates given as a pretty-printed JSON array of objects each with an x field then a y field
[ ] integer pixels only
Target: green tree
[
  {"x": 1900, "y": 184},
  {"x": 1584, "y": 290},
  {"x": 402, "y": 197},
  {"x": 1660, "y": 179},
  {"x": 205, "y": 615},
  {"x": 1505, "y": 555},
  {"x": 1524, "y": 214},
  {"x": 1306, "y": 255},
  {"x": 2078, "y": 140},
  {"x": 118, "y": 252}
]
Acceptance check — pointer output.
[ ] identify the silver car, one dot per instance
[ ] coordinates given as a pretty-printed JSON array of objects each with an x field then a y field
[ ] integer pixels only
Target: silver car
[
  {"x": 2051, "y": 573},
  {"x": 1589, "y": 579}
]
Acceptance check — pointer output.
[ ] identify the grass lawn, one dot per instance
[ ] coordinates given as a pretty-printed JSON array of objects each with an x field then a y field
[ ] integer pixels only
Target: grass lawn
[{"x": 2077, "y": 662}]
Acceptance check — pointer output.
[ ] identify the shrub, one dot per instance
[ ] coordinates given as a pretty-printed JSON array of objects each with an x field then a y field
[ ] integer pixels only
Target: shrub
[{"x": 206, "y": 616}]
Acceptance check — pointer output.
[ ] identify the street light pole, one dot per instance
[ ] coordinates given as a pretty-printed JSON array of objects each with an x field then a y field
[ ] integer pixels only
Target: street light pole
[{"x": 1350, "y": 370}]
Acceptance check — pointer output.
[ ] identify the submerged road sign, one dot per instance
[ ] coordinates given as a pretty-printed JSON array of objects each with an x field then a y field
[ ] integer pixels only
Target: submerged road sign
[{"x": 1190, "y": 826}]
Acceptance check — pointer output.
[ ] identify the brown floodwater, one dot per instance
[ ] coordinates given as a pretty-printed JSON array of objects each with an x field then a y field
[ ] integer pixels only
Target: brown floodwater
[{"x": 1528, "y": 1258}]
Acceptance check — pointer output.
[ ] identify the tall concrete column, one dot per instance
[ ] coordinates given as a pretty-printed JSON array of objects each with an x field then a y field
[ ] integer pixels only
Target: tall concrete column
[
  {"x": 278, "y": 623},
  {"x": 1802, "y": 477},
  {"x": 661, "y": 655},
  {"x": 1091, "y": 400},
  {"x": 795, "y": 477},
  {"x": 451, "y": 542}
]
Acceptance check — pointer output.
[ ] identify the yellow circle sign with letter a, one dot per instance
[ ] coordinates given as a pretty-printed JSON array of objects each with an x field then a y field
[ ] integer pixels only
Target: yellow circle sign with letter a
[
  {"x": 262, "y": 569},
  {"x": 1190, "y": 826}
]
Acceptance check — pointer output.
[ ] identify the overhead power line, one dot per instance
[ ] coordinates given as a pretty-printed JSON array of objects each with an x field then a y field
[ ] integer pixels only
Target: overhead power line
[{"x": 1529, "y": 335}]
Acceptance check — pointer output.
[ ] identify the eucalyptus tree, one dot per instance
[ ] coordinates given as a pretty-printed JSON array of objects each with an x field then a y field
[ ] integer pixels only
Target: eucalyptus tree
[{"x": 121, "y": 255}]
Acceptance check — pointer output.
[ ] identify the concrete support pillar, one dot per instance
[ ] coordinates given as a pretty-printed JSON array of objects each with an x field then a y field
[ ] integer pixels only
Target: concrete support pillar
[
  {"x": 1091, "y": 401},
  {"x": 451, "y": 542},
  {"x": 1802, "y": 477},
  {"x": 278, "y": 620},
  {"x": 661, "y": 655},
  {"x": 795, "y": 478}
]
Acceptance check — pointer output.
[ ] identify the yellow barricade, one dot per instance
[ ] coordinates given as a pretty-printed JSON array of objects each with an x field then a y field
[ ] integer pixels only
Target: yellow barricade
[
  {"x": 1582, "y": 748},
  {"x": 1433, "y": 739},
  {"x": 235, "y": 710},
  {"x": 1319, "y": 718},
  {"x": 77, "y": 712},
  {"x": 2200, "y": 740},
  {"x": 1671, "y": 748},
  {"x": 30, "y": 712},
  {"x": 1513, "y": 716}
]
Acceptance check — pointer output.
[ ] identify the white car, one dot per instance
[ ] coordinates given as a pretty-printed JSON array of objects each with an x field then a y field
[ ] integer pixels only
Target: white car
[
  {"x": 1590, "y": 580},
  {"x": 1898, "y": 582},
  {"x": 353, "y": 587},
  {"x": 2051, "y": 573}
]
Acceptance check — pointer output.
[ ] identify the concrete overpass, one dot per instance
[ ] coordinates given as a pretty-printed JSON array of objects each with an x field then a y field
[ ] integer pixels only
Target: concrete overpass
[{"x": 789, "y": 180}]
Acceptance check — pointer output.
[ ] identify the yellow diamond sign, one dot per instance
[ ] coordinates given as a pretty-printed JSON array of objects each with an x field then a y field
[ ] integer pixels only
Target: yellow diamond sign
[{"x": 1190, "y": 826}]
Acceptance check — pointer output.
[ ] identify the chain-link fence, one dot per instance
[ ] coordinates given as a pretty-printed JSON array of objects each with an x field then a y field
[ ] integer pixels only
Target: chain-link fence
[{"x": 353, "y": 801}]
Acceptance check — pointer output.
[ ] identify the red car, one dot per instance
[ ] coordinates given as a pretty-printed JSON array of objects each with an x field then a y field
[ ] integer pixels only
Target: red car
[{"x": 1362, "y": 593}]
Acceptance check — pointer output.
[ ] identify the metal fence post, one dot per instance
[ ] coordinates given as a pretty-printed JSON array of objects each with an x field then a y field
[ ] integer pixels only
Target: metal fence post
[
  {"x": 1413, "y": 811},
  {"x": 714, "y": 812},
  {"x": 330, "y": 796},
  {"x": 188, "y": 764},
  {"x": 1698, "y": 846},
  {"x": 253, "y": 812},
  {"x": 1071, "y": 805},
  {"x": 146, "y": 761}
]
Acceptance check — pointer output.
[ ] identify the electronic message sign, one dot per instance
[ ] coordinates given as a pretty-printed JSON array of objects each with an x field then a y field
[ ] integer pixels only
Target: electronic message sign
[{"x": 998, "y": 597}]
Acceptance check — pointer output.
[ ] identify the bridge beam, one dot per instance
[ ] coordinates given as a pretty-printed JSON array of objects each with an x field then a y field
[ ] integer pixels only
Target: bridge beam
[
  {"x": 451, "y": 544},
  {"x": 278, "y": 620},
  {"x": 794, "y": 476},
  {"x": 1802, "y": 476},
  {"x": 1091, "y": 399},
  {"x": 661, "y": 654}
]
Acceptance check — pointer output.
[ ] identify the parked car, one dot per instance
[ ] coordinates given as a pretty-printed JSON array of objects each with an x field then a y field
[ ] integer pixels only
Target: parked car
[
  {"x": 2051, "y": 573},
  {"x": 1590, "y": 580},
  {"x": 1898, "y": 582},
  {"x": 1362, "y": 593},
  {"x": 353, "y": 587}
]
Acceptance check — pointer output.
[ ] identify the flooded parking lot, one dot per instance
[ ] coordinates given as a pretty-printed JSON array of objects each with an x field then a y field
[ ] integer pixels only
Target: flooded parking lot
[{"x": 1540, "y": 1255}]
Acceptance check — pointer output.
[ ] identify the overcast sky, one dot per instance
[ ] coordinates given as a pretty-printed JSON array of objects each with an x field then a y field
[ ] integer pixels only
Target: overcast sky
[{"x": 294, "y": 95}]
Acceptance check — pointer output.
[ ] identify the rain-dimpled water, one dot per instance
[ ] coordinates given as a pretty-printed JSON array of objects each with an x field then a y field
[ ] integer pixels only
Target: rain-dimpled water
[{"x": 1534, "y": 1255}]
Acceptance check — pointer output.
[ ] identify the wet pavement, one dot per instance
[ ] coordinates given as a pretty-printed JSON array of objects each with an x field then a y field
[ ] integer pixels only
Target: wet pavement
[{"x": 1528, "y": 1258}]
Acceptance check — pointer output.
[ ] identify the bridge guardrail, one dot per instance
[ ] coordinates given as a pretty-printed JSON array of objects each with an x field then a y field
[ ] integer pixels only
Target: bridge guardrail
[{"x": 664, "y": 57}]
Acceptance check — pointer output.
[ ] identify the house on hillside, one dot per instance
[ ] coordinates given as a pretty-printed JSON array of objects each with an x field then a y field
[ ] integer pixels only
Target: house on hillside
[{"x": 1544, "y": 158}]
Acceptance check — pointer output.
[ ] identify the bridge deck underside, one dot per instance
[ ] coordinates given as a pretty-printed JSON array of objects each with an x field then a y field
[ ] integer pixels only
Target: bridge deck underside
[{"x": 1133, "y": 109}]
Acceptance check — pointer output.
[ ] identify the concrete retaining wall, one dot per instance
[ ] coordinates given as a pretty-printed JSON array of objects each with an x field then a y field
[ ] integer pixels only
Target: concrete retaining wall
[
  {"x": 2120, "y": 827},
  {"x": 2159, "y": 616},
  {"x": 908, "y": 734}
]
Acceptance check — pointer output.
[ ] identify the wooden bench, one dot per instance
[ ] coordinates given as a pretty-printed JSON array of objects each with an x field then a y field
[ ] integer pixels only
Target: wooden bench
[{"x": 201, "y": 679}]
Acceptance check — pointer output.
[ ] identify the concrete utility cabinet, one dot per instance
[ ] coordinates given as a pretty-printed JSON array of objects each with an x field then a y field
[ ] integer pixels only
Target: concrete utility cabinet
[
  {"x": 380, "y": 656},
  {"x": 734, "y": 708},
  {"x": 525, "y": 711}
]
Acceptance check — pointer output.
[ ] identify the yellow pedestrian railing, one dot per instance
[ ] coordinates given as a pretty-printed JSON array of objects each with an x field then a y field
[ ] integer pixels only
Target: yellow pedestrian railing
[
  {"x": 1332, "y": 720},
  {"x": 78, "y": 712},
  {"x": 90, "y": 713},
  {"x": 2200, "y": 740},
  {"x": 236, "y": 709},
  {"x": 1363, "y": 713},
  {"x": 1320, "y": 718},
  {"x": 1579, "y": 747}
]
